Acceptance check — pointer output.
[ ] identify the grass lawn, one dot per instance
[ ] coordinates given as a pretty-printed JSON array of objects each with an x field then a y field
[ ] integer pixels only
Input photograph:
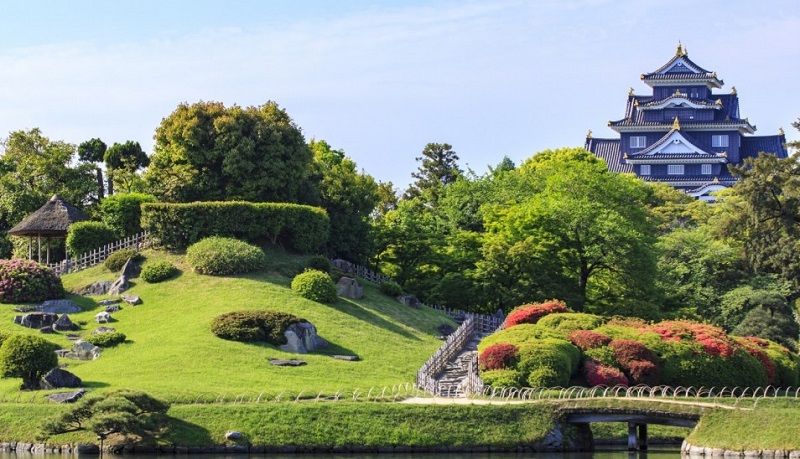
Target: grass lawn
[{"x": 170, "y": 350}]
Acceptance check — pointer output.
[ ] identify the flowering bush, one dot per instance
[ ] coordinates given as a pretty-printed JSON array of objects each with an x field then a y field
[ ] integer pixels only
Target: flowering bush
[
  {"x": 756, "y": 347},
  {"x": 531, "y": 313},
  {"x": 498, "y": 356},
  {"x": 568, "y": 322},
  {"x": 713, "y": 340},
  {"x": 598, "y": 374},
  {"x": 588, "y": 339},
  {"x": 25, "y": 281}
]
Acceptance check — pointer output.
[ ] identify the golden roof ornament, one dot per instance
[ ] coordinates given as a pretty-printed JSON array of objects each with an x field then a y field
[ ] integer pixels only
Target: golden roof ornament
[
  {"x": 780, "y": 131},
  {"x": 589, "y": 134},
  {"x": 635, "y": 102},
  {"x": 676, "y": 124},
  {"x": 609, "y": 123},
  {"x": 733, "y": 90},
  {"x": 630, "y": 91},
  {"x": 680, "y": 52},
  {"x": 718, "y": 102},
  {"x": 716, "y": 179}
]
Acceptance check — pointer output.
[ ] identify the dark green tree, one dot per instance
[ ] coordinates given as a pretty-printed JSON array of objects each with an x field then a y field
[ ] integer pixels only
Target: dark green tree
[
  {"x": 123, "y": 160},
  {"x": 27, "y": 357},
  {"x": 438, "y": 168},
  {"x": 93, "y": 151},
  {"x": 209, "y": 152}
]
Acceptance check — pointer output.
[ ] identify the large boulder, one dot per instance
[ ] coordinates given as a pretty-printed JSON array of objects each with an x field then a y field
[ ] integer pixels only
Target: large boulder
[
  {"x": 102, "y": 317},
  {"x": 132, "y": 300},
  {"x": 59, "y": 307},
  {"x": 120, "y": 285},
  {"x": 131, "y": 269},
  {"x": 64, "y": 324},
  {"x": 67, "y": 397},
  {"x": 99, "y": 330},
  {"x": 58, "y": 378},
  {"x": 347, "y": 287},
  {"x": 37, "y": 320},
  {"x": 83, "y": 350},
  {"x": 409, "y": 300},
  {"x": 301, "y": 338},
  {"x": 96, "y": 289}
]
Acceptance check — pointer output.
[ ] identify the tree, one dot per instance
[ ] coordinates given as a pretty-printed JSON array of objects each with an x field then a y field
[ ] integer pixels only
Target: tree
[
  {"x": 207, "y": 152},
  {"x": 123, "y": 160},
  {"x": 438, "y": 169},
  {"x": 93, "y": 151},
  {"x": 348, "y": 196},
  {"x": 27, "y": 357}
]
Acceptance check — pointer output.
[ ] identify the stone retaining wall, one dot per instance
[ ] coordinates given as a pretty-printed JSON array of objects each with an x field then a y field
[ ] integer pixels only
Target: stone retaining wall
[{"x": 688, "y": 450}]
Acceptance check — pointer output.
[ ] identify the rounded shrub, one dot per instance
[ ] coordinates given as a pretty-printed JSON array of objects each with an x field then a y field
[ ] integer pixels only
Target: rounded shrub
[
  {"x": 158, "y": 271},
  {"x": 320, "y": 263},
  {"x": 110, "y": 339},
  {"x": 502, "y": 378},
  {"x": 548, "y": 362},
  {"x": 497, "y": 357},
  {"x": 222, "y": 256},
  {"x": 257, "y": 325},
  {"x": 83, "y": 237},
  {"x": 588, "y": 339},
  {"x": 315, "y": 286},
  {"x": 27, "y": 357},
  {"x": 25, "y": 281},
  {"x": 531, "y": 313},
  {"x": 568, "y": 322},
  {"x": 117, "y": 260},
  {"x": 600, "y": 374},
  {"x": 391, "y": 288}
]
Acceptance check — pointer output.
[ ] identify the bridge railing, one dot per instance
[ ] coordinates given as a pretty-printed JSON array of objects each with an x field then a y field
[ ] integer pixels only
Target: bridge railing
[{"x": 452, "y": 346}]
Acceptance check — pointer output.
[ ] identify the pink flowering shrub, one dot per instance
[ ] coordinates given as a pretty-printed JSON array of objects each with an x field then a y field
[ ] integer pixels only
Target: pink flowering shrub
[
  {"x": 757, "y": 348},
  {"x": 713, "y": 340},
  {"x": 637, "y": 360},
  {"x": 588, "y": 339},
  {"x": 531, "y": 313},
  {"x": 25, "y": 281},
  {"x": 598, "y": 374},
  {"x": 497, "y": 357}
]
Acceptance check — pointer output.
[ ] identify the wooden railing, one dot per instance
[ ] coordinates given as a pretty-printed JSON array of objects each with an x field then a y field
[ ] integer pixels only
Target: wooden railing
[
  {"x": 452, "y": 346},
  {"x": 99, "y": 255}
]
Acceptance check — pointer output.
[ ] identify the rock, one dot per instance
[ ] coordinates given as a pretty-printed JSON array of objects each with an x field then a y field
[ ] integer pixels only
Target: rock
[
  {"x": 233, "y": 435},
  {"x": 348, "y": 287},
  {"x": 66, "y": 397},
  {"x": 131, "y": 269},
  {"x": 37, "y": 320},
  {"x": 46, "y": 330},
  {"x": 132, "y": 300},
  {"x": 109, "y": 301},
  {"x": 62, "y": 352},
  {"x": 99, "y": 330},
  {"x": 409, "y": 300},
  {"x": 84, "y": 350},
  {"x": 344, "y": 266},
  {"x": 25, "y": 308},
  {"x": 59, "y": 307},
  {"x": 445, "y": 329},
  {"x": 287, "y": 363},
  {"x": 112, "y": 308},
  {"x": 301, "y": 338},
  {"x": 102, "y": 317},
  {"x": 96, "y": 289},
  {"x": 120, "y": 285},
  {"x": 64, "y": 324},
  {"x": 58, "y": 378},
  {"x": 88, "y": 448},
  {"x": 348, "y": 358},
  {"x": 72, "y": 337}
]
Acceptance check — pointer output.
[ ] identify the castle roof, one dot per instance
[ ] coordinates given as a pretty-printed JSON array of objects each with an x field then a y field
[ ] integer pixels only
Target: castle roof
[
  {"x": 608, "y": 150},
  {"x": 681, "y": 69}
]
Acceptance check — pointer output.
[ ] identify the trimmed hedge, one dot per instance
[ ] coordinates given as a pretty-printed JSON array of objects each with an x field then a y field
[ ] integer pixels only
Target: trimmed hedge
[
  {"x": 158, "y": 271},
  {"x": 315, "y": 286},
  {"x": 83, "y": 237},
  {"x": 109, "y": 339},
  {"x": 320, "y": 263},
  {"x": 222, "y": 256},
  {"x": 122, "y": 212},
  {"x": 176, "y": 226},
  {"x": 25, "y": 281},
  {"x": 254, "y": 326}
]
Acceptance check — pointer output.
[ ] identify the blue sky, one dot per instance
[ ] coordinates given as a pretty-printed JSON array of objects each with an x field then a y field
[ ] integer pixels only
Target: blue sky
[{"x": 381, "y": 79}]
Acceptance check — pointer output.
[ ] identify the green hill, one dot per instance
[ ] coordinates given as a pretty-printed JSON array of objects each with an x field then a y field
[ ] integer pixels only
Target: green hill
[{"x": 171, "y": 350}]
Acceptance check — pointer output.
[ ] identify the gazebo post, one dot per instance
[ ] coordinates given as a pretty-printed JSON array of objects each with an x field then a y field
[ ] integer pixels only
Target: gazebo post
[
  {"x": 30, "y": 247},
  {"x": 39, "y": 246},
  {"x": 47, "y": 241}
]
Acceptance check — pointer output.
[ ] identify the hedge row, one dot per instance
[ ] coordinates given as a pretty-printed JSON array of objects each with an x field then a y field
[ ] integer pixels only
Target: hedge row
[{"x": 177, "y": 226}]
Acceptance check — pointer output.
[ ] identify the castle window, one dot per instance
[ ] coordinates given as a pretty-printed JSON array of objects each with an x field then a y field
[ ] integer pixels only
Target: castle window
[
  {"x": 719, "y": 141},
  {"x": 675, "y": 169},
  {"x": 638, "y": 141},
  {"x": 705, "y": 169},
  {"x": 644, "y": 169}
]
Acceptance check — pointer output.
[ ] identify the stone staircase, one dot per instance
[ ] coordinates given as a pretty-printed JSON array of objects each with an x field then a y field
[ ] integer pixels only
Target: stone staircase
[{"x": 452, "y": 382}]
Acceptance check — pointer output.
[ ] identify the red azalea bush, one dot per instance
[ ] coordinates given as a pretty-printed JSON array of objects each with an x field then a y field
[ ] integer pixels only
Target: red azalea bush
[
  {"x": 498, "y": 356},
  {"x": 637, "y": 360},
  {"x": 598, "y": 374},
  {"x": 588, "y": 339},
  {"x": 713, "y": 340},
  {"x": 531, "y": 313},
  {"x": 25, "y": 281}
]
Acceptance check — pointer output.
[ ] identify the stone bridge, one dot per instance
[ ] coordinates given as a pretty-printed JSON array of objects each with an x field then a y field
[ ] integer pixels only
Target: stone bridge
[{"x": 637, "y": 420}]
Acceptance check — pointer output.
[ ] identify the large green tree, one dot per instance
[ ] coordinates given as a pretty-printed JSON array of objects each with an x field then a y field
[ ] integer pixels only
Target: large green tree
[
  {"x": 206, "y": 151},
  {"x": 123, "y": 161},
  {"x": 27, "y": 357},
  {"x": 93, "y": 151},
  {"x": 438, "y": 168}
]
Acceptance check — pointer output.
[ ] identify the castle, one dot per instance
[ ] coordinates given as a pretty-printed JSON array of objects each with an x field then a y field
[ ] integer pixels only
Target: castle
[{"x": 683, "y": 134}]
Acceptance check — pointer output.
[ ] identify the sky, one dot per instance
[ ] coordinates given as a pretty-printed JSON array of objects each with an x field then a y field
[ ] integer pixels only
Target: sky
[{"x": 381, "y": 79}]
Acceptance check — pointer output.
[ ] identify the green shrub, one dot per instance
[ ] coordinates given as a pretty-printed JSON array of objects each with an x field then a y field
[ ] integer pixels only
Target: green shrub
[
  {"x": 25, "y": 281},
  {"x": 502, "y": 378},
  {"x": 177, "y": 226},
  {"x": 158, "y": 271},
  {"x": 315, "y": 286},
  {"x": 122, "y": 212},
  {"x": 249, "y": 326},
  {"x": 568, "y": 322},
  {"x": 390, "y": 288},
  {"x": 289, "y": 269},
  {"x": 110, "y": 339},
  {"x": 27, "y": 357},
  {"x": 320, "y": 263},
  {"x": 83, "y": 237},
  {"x": 117, "y": 260},
  {"x": 221, "y": 256},
  {"x": 517, "y": 335},
  {"x": 548, "y": 362}
]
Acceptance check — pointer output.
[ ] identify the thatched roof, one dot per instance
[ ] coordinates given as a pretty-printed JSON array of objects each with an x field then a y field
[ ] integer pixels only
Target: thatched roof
[{"x": 52, "y": 219}]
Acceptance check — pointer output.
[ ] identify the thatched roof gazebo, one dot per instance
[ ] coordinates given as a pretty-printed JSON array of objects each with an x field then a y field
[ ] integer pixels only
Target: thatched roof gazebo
[{"x": 51, "y": 221}]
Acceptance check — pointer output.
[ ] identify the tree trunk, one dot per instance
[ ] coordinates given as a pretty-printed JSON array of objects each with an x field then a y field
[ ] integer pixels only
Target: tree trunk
[{"x": 101, "y": 190}]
